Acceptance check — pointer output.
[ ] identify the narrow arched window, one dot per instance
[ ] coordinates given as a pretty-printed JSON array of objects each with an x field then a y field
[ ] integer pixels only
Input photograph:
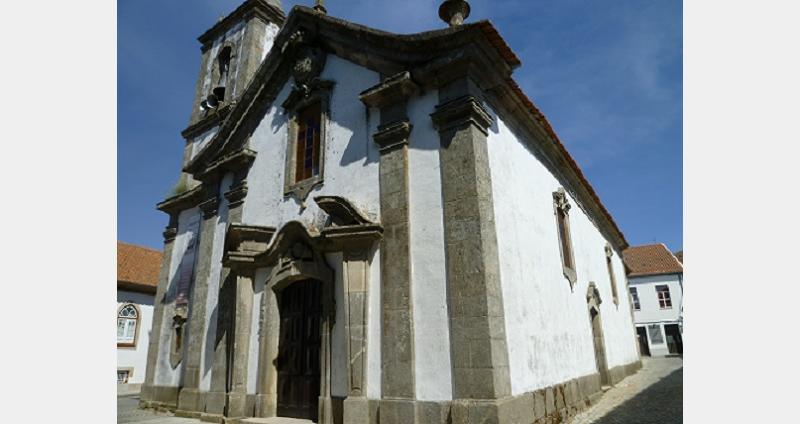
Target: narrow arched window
[{"x": 127, "y": 323}]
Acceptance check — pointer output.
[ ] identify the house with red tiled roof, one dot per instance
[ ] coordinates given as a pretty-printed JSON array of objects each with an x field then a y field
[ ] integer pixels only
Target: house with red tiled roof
[
  {"x": 137, "y": 278},
  {"x": 655, "y": 281}
]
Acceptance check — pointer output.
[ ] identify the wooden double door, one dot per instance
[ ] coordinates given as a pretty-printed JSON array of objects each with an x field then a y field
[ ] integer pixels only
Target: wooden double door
[{"x": 298, "y": 362}]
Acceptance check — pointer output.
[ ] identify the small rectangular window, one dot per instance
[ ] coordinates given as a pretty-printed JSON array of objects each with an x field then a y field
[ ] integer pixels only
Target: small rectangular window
[
  {"x": 122, "y": 376},
  {"x": 664, "y": 300},
  {"x": 307, "y": 143},
  {"x": 635, "y": 297}
]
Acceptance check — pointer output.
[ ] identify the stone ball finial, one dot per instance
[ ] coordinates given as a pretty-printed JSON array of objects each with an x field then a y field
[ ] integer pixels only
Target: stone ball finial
[{"x": 453, "y": 12}]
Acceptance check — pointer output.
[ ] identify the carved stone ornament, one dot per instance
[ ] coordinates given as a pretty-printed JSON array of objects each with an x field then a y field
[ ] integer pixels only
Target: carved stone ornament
[
  {"x": 609, "y": 251},
  {"x": 593, "y": 296},
  {"x": 560, "y": 199},
  {"x": 309, "y": 62}
]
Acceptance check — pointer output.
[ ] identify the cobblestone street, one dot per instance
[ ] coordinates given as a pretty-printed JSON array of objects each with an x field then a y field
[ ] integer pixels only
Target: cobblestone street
[{"x": 654, "y": 395}]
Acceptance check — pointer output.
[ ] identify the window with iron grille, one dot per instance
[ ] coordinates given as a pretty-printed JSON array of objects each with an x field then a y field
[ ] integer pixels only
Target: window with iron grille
[
  {"x": 635, "y": 297},
  {"x": 664, "y": 300}
]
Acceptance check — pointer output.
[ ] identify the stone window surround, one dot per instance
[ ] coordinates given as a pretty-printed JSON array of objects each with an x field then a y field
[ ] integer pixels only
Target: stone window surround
[
  {"x": 561, "y": 204},
  {"x": 611, "y": 276},
  {"x": 131, "y": 345},
  {"x": 319, "y": 91}
]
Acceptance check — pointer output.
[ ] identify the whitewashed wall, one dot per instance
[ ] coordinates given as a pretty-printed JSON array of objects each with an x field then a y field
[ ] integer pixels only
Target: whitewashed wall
[
  {"x": 350, "y": 170},
  {"x": 135, "y": 358},
  {"x": 165, "y": 375},
  {"x": 650, "y": 310},
  {"x": 547, "y": 324},
  {"x": 428, "y": 266}
]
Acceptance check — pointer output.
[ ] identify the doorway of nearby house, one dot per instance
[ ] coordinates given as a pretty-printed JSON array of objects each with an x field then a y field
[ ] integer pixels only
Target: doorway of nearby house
[
  {"x": 599, "y": 346},
  {"x": 641, "y": 332},
  {"x": 674, "y": 339},
  {"x": 299, "y": 350}
]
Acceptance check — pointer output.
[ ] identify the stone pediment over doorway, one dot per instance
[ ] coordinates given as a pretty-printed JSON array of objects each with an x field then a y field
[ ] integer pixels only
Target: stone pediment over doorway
[{"x": 250, "y": 247}]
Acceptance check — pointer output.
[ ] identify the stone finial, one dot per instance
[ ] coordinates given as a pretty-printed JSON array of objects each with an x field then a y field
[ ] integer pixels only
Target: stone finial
[
  {"x": 453, "y": 12},
  {"x": 319, "y": 7}
]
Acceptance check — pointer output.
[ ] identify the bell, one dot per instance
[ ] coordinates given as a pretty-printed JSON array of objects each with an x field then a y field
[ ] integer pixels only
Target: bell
[
  {"x": 219, "y": 92},
  {"x": 212, "y": 101}
]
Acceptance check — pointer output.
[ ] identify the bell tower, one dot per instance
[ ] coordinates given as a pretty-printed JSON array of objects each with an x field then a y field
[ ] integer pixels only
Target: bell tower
[{"x": 232, "y": 50}]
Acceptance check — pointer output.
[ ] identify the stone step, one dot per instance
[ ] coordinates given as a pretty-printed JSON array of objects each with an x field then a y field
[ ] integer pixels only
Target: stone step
[
  {"x": 605, "y": 388},
  {"x": 275, "y": 420}
]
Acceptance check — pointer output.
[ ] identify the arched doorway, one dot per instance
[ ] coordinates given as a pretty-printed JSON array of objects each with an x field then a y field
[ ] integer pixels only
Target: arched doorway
[
  {"x": 298, "y": 362},
  {"x": 594, "y": 301}
]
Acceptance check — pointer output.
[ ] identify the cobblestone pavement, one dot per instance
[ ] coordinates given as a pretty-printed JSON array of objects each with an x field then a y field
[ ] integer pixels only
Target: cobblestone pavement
[
  {"x": 128, "y": 412},
  {"x": 654, "y": 395}
]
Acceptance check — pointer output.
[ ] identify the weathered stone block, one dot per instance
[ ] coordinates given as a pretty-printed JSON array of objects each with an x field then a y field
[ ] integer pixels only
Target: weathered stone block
[
  {"x": 356, "y": 410},
  {"x": 539, "y": 409},
  {"x": 432, "y": 412},
  {"x": 396, "y": 411},
  {"x": 549, "y": 401}
]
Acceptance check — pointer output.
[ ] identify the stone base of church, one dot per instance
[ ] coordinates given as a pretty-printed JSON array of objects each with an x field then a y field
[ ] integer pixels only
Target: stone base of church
[{"x": 557, "y": 403}]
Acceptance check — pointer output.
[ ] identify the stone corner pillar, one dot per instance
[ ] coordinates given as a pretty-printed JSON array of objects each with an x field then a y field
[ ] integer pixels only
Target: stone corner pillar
[
  {"x": 190, "y": 399},
  {"x": 397, "y": 336},
  {"x": 148, "y": 390},
  {"x": 478, "y": 340}
]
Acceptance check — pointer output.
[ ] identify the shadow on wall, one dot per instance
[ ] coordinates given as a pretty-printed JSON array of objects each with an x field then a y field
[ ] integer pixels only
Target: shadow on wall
[{"x": 661, "y": 403}]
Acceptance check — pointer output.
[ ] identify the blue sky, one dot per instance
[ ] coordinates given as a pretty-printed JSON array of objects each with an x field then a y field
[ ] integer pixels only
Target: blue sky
[{"x": 607, "y": 74}]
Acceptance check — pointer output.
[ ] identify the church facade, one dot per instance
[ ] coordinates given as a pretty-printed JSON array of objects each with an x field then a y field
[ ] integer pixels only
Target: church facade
[{"x": 373, "y": 227}]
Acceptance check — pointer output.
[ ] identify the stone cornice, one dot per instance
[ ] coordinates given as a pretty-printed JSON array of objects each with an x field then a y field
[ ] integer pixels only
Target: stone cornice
[
  {"x": 392, "y": 90},
  {"x": 186, "y": 200},
  {"x": 392, "y": 135},
  {"x": 209, "y": 207},
  {"x": 234, "y": 161},
  {"x": 169, "y": 234},
  {"x": 461, "y": 111},
  {"x": 258, "y": 8},
  {"x": 236, "y": 194},
  {"x": 207, "y": 122}
]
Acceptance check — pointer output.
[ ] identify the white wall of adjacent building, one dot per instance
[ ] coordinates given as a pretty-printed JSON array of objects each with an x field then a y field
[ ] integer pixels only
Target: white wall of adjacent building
[
  {"x": 651, "y": 313},
  {"x": 547, "y": 323},
  {"x": 134, "y": 359}
]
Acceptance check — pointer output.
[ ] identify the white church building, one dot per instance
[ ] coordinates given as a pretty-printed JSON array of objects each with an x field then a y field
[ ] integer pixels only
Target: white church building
[{"x": 372, "y": 227}]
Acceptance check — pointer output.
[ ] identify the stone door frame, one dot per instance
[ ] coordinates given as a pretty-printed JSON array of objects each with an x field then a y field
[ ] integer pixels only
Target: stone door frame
[
  {"x": 598, "y": 340},
  {"x": 299, "y": 262}
]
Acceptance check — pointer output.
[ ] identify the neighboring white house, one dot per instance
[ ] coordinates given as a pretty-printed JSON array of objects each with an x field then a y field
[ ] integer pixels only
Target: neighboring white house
[
  {"x": 655, "y": 278},
  {"x": 137, "y": 279},
  {"x": 372, "y": 227}
]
